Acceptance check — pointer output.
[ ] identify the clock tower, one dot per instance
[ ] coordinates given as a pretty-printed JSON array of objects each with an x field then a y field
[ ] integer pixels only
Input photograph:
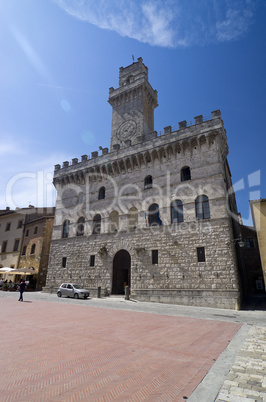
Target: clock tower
[{"x": 133, "y": 104}]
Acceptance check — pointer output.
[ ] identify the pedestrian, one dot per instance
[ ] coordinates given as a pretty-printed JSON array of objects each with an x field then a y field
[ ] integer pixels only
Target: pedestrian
[{"x": 22, "y": 287}]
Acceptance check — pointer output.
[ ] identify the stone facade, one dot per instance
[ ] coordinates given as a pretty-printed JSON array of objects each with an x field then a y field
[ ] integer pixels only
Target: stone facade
[
  {"x": 36, "y": 243},
  {"x": 156, "y": 213}
]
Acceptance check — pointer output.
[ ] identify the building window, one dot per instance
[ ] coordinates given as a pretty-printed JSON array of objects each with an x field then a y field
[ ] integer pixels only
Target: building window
[
  {"x": 154, "y": 256},
  {"x": 101, "y": 194},
  {"x": 32, "y": 250},
  {"x": 97, "y": 224},
  {"x": 4, "y": 246},
  {"x": 80, "y": 198},
  {"x": 202, "y": 207},
  {"x": 185, "y": 173},
  {"x": 250, "y": 242},
  {"x": 36, "y": 230},
  {"x": 8, "y": 225},
  {"x": 20, "y": 223},
  {"x": 113, "y": 221},
  {"x": 92, "y": 260},
  {"x": 154, "y": 216},
  {"x": 64, "y": 261},
  {"x": 65, "y": 232},
  {"x": 177, "y": 212},
  {"x": 16, "y": 244},
  {"x": 80, "y": 229},
  {"x": 132, "y": 218},
  {"x": 24, "y": 250},
  {"x": 27, "y": 233},
  {"x": 201, "y": 254},
  {"x": 147, "y": 182}
]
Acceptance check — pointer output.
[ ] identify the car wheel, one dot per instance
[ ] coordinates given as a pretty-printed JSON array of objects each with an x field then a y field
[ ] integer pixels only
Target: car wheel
[
  {"x": 85, "y": 297},
  {"x": 76, "y": 296},
  {"x": 59, "y": 294}
]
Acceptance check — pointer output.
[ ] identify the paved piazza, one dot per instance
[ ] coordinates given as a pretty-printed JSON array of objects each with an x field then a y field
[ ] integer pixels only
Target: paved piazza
[{"x": 103, "y": 350}]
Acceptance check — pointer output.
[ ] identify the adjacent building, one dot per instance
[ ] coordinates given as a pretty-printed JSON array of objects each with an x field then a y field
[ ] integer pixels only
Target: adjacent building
[
  {"x": 156, "y": 212},
  {"x": 36, "y": 242},
  {"x": 25, "y": 237},
  {"x": 11, "y": 230}
]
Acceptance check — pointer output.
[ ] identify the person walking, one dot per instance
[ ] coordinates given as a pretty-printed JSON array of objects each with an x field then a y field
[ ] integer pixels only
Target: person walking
[{"x": 22, "y": 287}]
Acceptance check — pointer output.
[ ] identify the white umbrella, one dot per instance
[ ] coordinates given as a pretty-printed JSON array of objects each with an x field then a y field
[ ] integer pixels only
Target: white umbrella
[{"x": 6, "y": 269}]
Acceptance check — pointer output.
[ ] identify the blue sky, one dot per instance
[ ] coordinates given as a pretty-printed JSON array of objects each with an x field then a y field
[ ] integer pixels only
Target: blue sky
[{"x": 59, "y": 58}]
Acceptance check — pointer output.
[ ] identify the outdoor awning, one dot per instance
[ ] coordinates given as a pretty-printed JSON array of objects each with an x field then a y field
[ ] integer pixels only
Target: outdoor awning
[
  {"x": 6, "y": 269},
  {"x": 22, "y": 271}
]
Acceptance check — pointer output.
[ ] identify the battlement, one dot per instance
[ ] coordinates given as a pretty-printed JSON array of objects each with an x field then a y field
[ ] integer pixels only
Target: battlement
[{"x": 185, "y": 129}]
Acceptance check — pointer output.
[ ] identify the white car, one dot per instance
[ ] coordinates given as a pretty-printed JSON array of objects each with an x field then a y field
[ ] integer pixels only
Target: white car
[{"x": 72, "y": 290}]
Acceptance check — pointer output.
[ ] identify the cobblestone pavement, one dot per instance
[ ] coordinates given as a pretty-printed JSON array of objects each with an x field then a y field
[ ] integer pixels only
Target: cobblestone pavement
[
  {"x": 247, "y": 378},
  {"x": 111, "y": 349}
]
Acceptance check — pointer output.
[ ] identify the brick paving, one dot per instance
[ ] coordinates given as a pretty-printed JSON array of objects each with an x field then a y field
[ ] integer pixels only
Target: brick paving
[
  {"x": 64, "y": 352},
  {"x": 247, "y": 378}
]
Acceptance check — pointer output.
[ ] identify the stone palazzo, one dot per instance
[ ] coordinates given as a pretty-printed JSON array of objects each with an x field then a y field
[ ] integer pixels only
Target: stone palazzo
[{"x": 156, "y": 212}]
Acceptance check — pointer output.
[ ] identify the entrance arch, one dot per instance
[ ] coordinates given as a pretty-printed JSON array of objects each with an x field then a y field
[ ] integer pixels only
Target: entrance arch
[{"x": 121, "y": 272}]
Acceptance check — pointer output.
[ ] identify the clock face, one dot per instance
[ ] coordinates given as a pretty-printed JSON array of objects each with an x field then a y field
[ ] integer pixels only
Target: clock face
[{"x": 127, "y": 129}]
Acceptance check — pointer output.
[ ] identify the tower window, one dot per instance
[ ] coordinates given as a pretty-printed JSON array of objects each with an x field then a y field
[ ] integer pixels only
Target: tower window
[
  {"x": 64, "y": 261},
  {"x": 202, "y": 207},
  {"x": 154, "y": 216},
  {"x": 92, "y": 260},
  {"x": 147, "y": 182},
  {"x": 97, "y": 224},
  {"x": 201, "y": 254},
  {"x": 185, "y": 173},
  {"x": 154, "y": 256},
  {"x": 101, "y": 194},
  {"x": 65, "y": 232},
  {"x": 80, "y": 229},
  {"x": 177, "y": 211}
]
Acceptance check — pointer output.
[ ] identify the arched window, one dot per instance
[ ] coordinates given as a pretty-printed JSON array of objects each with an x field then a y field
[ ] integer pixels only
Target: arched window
[
  {"x": 177, "y": 212},
  {"x": 65, "y": 231},
  {"x": 113, "y": 221},
  {"x": 147, "y": 182},
  {"x": 97, "y": 224},
  {"x": 132, "y": 218},
  {"x": 202, "y": 207},
  {"x": 154, "y": 216},
  {"x": 80, "y": 228},
  {"x": 80, "y": 198},
  {"x": 32, "y": 250},
  {"x": 185, "y": 173},
  {"x": 101, "y": 194}
]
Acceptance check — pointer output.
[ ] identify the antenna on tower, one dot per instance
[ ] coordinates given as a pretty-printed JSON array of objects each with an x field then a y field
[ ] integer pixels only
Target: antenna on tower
[{"x": 133, "y": 58}]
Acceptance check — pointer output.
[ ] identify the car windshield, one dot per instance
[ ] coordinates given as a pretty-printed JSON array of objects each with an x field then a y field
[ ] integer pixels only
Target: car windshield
[{"x": 77, "y": 286}]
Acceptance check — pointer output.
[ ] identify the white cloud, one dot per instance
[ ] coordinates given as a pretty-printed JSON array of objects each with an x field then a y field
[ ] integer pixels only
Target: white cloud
[
  {"x": 167, "y": 23},
  {"x": 235, "y": 25}
]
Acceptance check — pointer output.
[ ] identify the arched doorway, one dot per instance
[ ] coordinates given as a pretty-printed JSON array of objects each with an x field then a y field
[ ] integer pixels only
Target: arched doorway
[{"x": 121, "y": 272}]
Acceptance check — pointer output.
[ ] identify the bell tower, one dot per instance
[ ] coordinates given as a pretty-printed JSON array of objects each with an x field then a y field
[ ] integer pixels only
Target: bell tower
[{"x": 133, "y": 104}]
